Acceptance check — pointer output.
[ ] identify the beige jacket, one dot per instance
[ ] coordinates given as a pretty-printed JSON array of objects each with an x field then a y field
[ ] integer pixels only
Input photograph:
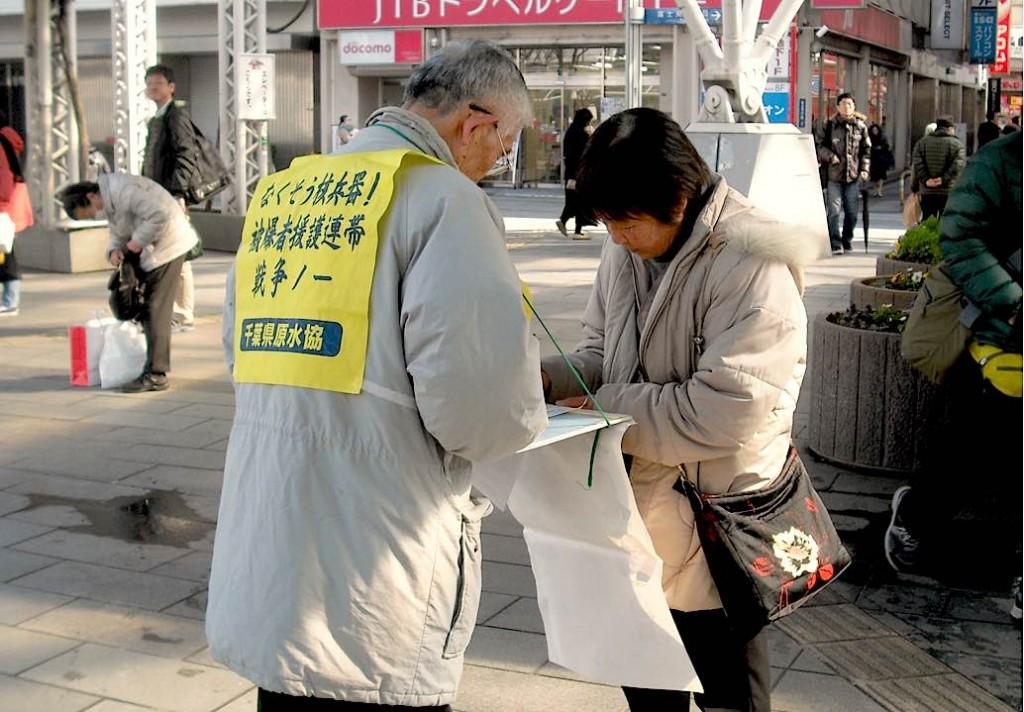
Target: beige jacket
[
  {"x": 721, "y": 409},
  {"x": 141, "y": 210}
]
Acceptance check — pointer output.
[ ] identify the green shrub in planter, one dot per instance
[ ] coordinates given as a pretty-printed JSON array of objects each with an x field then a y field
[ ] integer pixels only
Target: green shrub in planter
[{"x": 919, "y": 244}]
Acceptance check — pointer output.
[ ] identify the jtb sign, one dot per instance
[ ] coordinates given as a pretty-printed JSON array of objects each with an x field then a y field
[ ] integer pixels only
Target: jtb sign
[{"x": 346, "y": 14}]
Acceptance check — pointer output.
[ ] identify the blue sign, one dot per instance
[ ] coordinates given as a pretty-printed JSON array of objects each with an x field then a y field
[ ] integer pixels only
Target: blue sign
[
  {"x": 776, "y": 106},
  {"x": 983, "y": 35},
  {"x": 801, "y": 112},
  {"x": 674, "y": 16}
]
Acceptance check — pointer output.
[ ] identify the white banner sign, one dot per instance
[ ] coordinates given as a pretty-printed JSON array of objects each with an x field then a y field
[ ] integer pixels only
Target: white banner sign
[
  {"x": 1016, "y": 42},
  {"x": 254, "y": 82},
  {"x": 947, "y": 24}
]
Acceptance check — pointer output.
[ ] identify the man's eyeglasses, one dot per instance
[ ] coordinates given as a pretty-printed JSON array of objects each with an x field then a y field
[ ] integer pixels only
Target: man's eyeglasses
[{"x": 504, "y": 162}]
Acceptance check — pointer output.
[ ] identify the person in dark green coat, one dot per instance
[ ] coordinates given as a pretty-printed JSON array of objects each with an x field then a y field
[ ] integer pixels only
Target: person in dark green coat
[
  {"x": 980, "y": 239},
  {"x": 938, "y": 160}
]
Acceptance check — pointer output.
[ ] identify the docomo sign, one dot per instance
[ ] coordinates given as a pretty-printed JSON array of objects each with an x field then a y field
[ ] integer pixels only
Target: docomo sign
[
  {"x": 343, "y": 14},
  {"x": 381, "y": 47}
]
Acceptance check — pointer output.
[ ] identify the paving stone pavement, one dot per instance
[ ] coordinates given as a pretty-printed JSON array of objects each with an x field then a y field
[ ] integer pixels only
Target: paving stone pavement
[{"x": 101, "y": 609}]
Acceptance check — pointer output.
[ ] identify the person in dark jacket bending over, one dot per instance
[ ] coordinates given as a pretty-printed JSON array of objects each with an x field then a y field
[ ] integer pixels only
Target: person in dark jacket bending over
[
  {"x": 170, "y": 160},
  {"x": 846, "y": 151}
]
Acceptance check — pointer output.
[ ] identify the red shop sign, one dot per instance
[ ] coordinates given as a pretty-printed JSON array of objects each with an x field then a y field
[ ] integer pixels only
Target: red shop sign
[
  {"x": 1002, "y": 63},
  {"x": 350, "y": 14}
]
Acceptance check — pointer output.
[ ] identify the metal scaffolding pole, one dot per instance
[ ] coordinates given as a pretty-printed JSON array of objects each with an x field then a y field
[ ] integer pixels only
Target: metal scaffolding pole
[
  {"x": 633, "y": 15},
  {"x": 133, "y": 29},
  {"x": 40, "y": 85},
  {"x": 242, "y": 25}
]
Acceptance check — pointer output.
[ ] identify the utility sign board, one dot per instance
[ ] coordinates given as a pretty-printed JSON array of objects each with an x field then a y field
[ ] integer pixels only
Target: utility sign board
[
  {"x": 984, "y": 14},
  {"x": 776, "y": 102},
  {"x": 947, "y": 24},
  {"x": 254, "y": 82},
  {"x": 380, "y": 47}
]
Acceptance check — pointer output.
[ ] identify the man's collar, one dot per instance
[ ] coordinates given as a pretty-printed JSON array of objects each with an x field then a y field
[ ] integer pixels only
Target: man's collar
[{"x": 163, "y": 109}]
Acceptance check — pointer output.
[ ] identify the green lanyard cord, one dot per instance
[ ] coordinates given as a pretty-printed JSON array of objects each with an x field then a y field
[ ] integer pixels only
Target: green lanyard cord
[{"x": 579, "y": 379}]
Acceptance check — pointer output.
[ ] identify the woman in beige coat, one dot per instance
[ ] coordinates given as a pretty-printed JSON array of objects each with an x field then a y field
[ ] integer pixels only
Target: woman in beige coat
[{"x": 696, "y": 328}]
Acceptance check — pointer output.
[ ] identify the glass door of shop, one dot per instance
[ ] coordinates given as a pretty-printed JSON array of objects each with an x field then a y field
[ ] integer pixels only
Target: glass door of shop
[{"x": 541, "y": 143}]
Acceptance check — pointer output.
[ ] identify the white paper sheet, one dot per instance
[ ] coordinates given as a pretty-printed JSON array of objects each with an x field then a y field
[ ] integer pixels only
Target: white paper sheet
[{"x": 598, "y": 577}]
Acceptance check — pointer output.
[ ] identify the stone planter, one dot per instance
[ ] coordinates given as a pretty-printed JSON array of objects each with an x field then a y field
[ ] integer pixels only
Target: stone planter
[
  {"x": 883, "y": 265},
  {"x": 872, "y": 292},
  {"x": 869, "y": 409}
]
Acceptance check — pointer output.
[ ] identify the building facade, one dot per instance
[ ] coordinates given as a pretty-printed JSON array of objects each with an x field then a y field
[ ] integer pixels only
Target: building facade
[{"x": 351, "y": 57}]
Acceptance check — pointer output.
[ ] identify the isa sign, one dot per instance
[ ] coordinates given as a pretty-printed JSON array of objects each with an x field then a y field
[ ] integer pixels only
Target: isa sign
[
  {"x": 380, "y": 47},
  {"x": 984, "y": 14},
  {"x": 776, "y": 102}
]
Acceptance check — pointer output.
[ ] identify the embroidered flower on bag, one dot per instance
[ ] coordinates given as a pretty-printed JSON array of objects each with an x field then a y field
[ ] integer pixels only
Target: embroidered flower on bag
[{"x": 796, "y": 551}]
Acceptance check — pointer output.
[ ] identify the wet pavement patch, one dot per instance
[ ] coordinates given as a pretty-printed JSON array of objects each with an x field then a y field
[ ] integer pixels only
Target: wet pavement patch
[{"x": 159, "y": 517}]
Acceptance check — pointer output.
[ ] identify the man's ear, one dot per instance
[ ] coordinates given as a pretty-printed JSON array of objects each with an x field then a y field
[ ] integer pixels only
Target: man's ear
[{"x": 472, "y": 121}]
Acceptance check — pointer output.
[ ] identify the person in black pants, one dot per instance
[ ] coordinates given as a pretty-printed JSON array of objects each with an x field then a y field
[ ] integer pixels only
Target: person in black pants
[
  {"x": 983, "y": 258},
  {"x": 573, "y": 143}
]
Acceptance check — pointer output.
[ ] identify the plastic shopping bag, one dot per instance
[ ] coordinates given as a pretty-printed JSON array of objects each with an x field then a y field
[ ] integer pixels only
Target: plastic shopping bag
[
  {"x": 86, "y": 341},
  {"x": 124, "y": 353}
]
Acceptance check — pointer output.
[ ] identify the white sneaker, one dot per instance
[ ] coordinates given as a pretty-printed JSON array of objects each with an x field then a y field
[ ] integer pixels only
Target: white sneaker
[{"x": 180, "y": 327}]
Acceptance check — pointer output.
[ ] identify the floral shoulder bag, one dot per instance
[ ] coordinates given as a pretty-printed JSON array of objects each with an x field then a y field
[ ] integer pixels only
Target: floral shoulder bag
[{"x": 768, "y": 550}]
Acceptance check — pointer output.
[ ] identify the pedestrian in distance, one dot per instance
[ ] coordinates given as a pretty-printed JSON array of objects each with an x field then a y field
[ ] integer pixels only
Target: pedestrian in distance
[
  {"x": 170, "y": 160},
  {"x": 16, "y": 214},
  {"x": 345, "y": 130},
  {"x": 689, "y": 259},
  {"x": 146, "y": 223},
  {"x": 845, "y": 151},
  {"x": 938, "y": 159},
  {"x": 881, "y": 158},
  {"x": 981, "y": 245},
  {"x": 346, "y": 570},
  {"x": 573, "y": 143},
  {"x": 988, "y": 130}
]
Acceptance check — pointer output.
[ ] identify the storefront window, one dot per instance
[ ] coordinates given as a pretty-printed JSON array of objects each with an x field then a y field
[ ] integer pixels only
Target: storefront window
[
  {"x": 562, "y": 80},
  {"x": 830, "y": 75},
  {"x": 880, "y": 79}
]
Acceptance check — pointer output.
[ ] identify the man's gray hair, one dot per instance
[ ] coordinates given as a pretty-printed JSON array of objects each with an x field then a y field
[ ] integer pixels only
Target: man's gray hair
[{"x": 471, "y": 71}]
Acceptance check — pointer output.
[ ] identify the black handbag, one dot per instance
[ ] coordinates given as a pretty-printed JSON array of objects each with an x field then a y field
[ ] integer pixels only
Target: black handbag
[
  {"x": 210, "y": 176},
  {"x": 127, "y": 290},
  {"x": 770, "y": 550}
]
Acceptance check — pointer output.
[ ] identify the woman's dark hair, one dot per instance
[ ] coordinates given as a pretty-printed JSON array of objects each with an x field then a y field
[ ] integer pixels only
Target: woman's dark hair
[
  {"x": 76, "y": 196},
  {"x": 874, "y": 129},
  {"x": 582, "y": 117},
  {"x": 639, "y": 162}
]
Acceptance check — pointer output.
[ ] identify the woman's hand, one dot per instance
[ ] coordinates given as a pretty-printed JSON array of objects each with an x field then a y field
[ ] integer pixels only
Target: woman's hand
[
  {"x": 134, "y": 246},
  {"x": 116, "y": 257},
  {"x": 581, "y": 402}
]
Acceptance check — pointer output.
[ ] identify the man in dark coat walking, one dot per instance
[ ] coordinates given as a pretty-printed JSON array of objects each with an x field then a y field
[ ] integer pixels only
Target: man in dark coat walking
[{"x": 845, "y": 151}]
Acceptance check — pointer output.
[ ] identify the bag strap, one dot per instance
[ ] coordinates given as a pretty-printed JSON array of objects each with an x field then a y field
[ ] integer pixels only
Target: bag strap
[
  {"x": 12, "y": 158},
  {"x": 583, "y": 385}
]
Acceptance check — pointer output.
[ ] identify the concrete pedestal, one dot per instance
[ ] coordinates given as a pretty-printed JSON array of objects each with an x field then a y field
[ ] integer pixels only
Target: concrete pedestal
[{"x": 63, "y": 250}]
